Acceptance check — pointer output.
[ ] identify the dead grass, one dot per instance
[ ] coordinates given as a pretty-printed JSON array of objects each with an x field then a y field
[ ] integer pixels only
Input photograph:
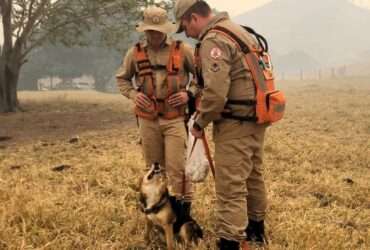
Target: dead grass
[{"x": 317, "y": 170}]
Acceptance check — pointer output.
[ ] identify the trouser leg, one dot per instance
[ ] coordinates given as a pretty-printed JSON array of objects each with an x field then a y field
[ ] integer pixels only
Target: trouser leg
[
  {"x": 175, "y": 148},
  {"x": 257, "y": 195},
  {"x": 152, "y": 142},
  {"x": 233, "y": 165}
]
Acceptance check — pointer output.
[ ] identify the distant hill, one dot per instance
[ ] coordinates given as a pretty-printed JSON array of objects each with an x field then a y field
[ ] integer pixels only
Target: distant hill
[
  {"x": 332, "y": 32},
  {"x": 295, "y": 61}
]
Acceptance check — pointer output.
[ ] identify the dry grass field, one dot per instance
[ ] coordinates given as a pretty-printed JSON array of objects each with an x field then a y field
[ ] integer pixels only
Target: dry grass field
[{"x": 317, "y": 170}]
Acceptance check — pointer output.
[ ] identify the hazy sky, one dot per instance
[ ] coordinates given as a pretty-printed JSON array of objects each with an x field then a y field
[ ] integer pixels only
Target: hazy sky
[{"x": 236, "y": 7}]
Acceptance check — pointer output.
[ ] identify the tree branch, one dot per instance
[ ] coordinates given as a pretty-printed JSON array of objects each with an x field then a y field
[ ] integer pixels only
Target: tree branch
[
  {"x": 32, "y": 19},
  {"x": 60, "y": 25},
  {"x": 21, "y": 21},
  {"x": 30, "y": 6}
]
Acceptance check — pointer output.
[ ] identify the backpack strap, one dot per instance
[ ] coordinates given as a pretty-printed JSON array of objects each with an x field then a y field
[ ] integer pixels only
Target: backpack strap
[
  {"x": 174, "y": 82},
  {"x": 261, "y": 40},
  {"x": 146, "y": 81},
  {"x": 175, "y": 59},
  {"x": 252, "y": 57},
  {"x": 198, "y": 66}
]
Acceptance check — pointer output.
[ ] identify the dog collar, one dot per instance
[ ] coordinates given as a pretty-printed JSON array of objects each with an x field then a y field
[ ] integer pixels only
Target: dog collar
[{"x": 157, "y": 207}]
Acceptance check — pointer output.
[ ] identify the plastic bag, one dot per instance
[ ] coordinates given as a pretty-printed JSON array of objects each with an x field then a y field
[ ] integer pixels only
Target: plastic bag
[{"x": 197, "y": 165}]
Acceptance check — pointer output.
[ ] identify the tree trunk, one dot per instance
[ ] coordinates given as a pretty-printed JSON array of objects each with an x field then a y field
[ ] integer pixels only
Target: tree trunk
[
  {"x": 8, "y": 86},
  {"x": 10, "y": 61},
  {"x": 12, "y": 79},
  {"x": 8, "y": 98},
  {"x": 3, "y": 105}
]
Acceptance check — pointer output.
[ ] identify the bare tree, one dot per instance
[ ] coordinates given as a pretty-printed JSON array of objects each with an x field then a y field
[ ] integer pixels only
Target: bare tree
[{"x": 28, "y": 24}]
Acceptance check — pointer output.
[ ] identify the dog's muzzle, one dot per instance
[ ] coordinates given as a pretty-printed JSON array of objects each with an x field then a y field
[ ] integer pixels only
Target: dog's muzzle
[{"x": 155, "y": 169}]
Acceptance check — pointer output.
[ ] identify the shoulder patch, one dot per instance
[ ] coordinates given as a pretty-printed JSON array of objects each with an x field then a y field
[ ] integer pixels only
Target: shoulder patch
[
  {"x": 215, "y": 67},
  {"x": 215, "y": 53}
]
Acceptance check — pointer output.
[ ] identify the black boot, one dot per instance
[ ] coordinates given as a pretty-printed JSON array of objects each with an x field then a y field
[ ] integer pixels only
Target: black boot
[
  {"x": 256, "y": 231},
  {"x": 224, "y": 244},
  {"x": 196, "y": 230},
  {"x": 182, "y": 210}
]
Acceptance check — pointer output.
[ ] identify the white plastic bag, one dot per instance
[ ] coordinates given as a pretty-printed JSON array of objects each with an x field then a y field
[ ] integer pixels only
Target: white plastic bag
[{"x": 197, "y": 165}]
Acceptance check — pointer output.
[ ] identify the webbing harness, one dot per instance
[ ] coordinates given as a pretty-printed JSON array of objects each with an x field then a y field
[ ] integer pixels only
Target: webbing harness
[{"x": 145, "y": 76}]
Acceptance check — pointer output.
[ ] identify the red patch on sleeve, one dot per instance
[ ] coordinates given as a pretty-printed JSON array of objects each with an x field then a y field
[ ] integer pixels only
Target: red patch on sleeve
[{"x": 216, "y": 53}]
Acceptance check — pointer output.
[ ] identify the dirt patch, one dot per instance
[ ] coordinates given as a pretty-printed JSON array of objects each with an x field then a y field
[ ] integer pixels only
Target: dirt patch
[{"x": 62, "y": 115}]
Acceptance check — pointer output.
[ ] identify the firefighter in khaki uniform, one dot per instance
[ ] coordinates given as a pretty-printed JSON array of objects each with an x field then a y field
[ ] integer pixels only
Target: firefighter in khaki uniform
[
  {"x": 240, "y": 187},
  {"x": 161, "y": 68}
]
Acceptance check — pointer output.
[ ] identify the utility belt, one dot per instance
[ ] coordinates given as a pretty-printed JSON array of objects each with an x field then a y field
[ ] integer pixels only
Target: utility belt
[
  {"x": 229, "y": 114},
  {"x": 160, "y": 108},
  {"x": 166, "y": 111}
]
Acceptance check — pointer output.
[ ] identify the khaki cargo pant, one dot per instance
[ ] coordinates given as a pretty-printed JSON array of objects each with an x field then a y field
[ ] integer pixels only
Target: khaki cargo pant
[
  {"x": 240, "y": 186},
  {"x": 164, "y": 141}
]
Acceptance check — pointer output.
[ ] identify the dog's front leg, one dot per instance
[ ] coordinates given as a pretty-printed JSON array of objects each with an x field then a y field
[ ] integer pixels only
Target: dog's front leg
[
  {"x": 168, "y": 229},
  {"x": 148, "y": 229}
]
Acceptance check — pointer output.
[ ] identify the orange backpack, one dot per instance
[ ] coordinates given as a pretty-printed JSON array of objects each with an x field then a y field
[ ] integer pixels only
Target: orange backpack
[
  {"x": 145, "y": 80},
  {"x": 270, "y": 102}
]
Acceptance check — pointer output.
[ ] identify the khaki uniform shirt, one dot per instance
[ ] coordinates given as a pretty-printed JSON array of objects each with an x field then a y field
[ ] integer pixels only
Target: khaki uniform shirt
[
  {"x": 128, "y": 70},
  {"x": 226, "y": 76}
]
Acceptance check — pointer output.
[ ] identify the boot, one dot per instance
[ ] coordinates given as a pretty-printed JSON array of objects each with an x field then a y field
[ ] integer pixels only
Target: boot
[
  {"x": 224, "y": 244},
  {"x": 256, "y": 231},
  {"x": 197, "y": 230},
  {"x": 182, "y": 210}
]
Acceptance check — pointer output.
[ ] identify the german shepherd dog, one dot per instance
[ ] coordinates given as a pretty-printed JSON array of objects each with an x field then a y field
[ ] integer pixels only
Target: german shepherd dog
[{"x": 161, "y": 210}]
